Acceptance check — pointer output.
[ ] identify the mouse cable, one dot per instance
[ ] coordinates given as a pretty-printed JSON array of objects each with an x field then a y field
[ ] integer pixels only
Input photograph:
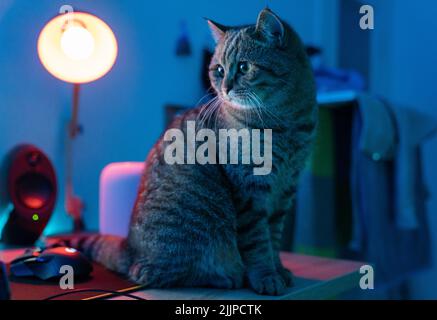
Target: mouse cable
[{"x": 94, "y": 290}]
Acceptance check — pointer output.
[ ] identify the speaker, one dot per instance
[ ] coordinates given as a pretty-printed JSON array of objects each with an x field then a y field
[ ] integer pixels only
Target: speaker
[{"x": 32, "y": 190}]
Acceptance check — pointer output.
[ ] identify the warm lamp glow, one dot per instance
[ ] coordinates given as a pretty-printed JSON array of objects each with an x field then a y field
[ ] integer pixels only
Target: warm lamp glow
[
  {"x": 77, "y": 47},
  {"x": 77, "y": 43}
]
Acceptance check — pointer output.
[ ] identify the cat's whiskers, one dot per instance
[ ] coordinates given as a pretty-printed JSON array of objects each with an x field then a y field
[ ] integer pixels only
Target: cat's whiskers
[
  {"x": 203, "y": 112},
  {"x": 216, "y": 112},
  {"x": 208, "y": 114},
  {"x": 274, "y": 117},
  {"x": 212, "y": 108},
  {"x": 206, "y": 111},
  {"x": 209, "y": 92},
  {"x": 255, "y": 104},
  {"x": 259, "y": 108}
]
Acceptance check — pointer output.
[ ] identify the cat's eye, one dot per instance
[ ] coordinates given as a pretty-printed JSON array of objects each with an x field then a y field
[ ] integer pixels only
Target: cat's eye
[
  {"x": 221, "y": 71},
  {"x": 243, "y": 67}
]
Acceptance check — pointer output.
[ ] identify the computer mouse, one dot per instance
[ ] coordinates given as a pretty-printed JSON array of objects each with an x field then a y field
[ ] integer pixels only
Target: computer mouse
[{"x": 46, "y": 264}]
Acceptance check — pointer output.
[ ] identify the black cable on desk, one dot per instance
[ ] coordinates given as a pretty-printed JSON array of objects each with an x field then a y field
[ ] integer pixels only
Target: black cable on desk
[{"x": 94, "y": 290}]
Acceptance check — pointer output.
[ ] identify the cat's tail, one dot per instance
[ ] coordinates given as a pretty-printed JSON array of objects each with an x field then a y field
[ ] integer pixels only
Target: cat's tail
[{"x": 110, "y": 251}]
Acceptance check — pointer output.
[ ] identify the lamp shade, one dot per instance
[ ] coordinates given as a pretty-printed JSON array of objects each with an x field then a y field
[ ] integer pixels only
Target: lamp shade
[{"x": 77, "y": 47}]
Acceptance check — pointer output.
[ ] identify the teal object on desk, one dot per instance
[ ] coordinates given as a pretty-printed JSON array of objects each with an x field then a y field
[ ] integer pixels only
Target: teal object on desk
[{"x": 4, "y": 283}]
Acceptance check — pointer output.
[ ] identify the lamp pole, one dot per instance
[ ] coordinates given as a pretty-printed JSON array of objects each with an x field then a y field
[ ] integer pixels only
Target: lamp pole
[
  {"x": 69, "y": 50},
  {"x": 73, "y": 204}
]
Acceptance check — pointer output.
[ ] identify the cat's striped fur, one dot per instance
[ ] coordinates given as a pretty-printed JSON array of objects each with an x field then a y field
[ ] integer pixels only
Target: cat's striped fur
[{"x": 220, "y": 225}]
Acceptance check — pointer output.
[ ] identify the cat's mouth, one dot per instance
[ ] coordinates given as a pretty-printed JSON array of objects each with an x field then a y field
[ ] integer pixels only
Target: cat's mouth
[{"x": 238, "y": 100}]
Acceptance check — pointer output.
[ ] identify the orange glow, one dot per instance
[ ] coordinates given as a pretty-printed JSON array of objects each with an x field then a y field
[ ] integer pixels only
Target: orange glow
[{"x": 77, "y": 47}]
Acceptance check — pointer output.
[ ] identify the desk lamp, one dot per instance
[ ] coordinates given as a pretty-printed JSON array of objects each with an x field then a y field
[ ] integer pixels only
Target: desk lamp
[{"x": 77, "y": 48}]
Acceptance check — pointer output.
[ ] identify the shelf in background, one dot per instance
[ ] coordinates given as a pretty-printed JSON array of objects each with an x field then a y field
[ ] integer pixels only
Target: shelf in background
[{"x": 335, "y": 98}]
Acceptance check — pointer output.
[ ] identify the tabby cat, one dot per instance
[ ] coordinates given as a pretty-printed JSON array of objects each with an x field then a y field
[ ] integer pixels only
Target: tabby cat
[{"x": 220, "y": 225}]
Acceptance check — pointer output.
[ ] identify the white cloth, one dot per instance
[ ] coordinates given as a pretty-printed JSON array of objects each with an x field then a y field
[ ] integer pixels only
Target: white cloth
[{"x": 396, "y": 133}]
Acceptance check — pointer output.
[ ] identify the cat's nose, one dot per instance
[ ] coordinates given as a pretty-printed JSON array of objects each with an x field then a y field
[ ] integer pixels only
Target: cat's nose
[{"x": 228, "y": 86}]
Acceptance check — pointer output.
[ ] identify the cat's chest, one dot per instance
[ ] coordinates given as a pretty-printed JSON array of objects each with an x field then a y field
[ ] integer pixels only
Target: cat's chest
[{"x": 268, "y": 189}]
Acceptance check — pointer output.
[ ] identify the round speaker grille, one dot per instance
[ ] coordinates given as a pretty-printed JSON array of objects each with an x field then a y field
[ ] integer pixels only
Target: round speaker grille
[{"x": 33, "y": 190}]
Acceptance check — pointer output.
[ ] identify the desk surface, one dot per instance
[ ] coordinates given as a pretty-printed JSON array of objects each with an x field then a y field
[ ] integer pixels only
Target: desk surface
[{"x": 315, "y": 278}]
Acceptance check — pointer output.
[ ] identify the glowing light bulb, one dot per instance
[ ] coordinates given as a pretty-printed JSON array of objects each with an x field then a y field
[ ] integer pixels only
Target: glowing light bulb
[
  {"x": 77, "y": 43},
  {"x": 77, "y": 50}
]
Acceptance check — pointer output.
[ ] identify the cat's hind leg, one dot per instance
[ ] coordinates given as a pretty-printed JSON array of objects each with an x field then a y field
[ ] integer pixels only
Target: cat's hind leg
[{"x": 221, "y": 267}]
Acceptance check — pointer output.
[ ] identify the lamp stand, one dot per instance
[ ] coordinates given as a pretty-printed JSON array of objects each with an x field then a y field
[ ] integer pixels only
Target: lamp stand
[{"x": 73, "y": 204}]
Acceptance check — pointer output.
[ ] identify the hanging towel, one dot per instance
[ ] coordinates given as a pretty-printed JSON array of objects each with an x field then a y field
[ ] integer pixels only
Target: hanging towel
[
  {"x": 390, "y": 227},
  {"x": 378, "y": 131},
  {"x": 389, "y": 133},
  {"x": 413, "y": 129},
  {"x": 374, "y": 137}
]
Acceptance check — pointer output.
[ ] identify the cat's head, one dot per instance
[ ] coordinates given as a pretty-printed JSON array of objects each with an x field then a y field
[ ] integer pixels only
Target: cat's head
[{"x": 261, "y": 65}]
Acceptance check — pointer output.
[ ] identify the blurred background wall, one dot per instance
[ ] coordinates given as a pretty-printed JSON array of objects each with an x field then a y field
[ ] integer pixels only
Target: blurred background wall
[
  {"x": 122, "y": 113},
  {"x": 404, "y": 70}
]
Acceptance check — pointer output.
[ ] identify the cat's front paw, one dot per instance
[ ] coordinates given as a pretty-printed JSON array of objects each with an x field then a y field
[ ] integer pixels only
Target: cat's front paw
[
  {"x": 286, "y": 275},
  {"x": 271, "y": 284}
]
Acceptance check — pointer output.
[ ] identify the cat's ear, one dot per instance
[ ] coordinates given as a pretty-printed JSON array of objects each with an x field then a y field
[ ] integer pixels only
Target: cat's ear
[
  {"x": 218, "y": 31},
  {"x": 270, "y": 26}
]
